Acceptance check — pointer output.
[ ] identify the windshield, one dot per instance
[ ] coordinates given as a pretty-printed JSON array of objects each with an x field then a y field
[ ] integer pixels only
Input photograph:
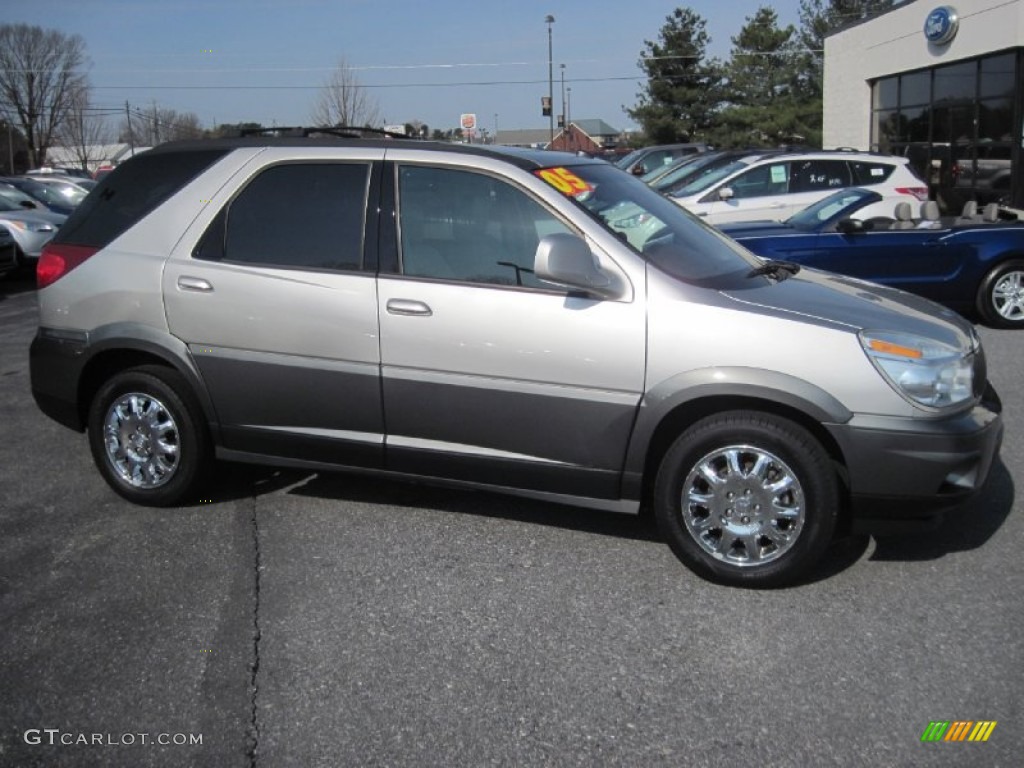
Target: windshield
[
  {"x": 662, "y": 232},
  {"x": 60, "y": 191},
  {"x": 839, "y": 205},
  {"x": 711, "y": 175},
  {"x": 628, "y": 159},
  {"x": 678, "y": 175}
]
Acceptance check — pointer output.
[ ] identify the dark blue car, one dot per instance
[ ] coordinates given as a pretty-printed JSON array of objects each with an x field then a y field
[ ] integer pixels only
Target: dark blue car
[{"x": 971, "y": 263}]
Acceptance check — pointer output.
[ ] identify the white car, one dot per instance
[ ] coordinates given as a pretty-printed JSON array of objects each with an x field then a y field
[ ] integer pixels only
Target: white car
[{"x": 775, "y": 186}]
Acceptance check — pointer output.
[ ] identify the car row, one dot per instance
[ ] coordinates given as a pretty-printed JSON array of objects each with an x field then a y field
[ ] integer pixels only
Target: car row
[
  {"x": 973, "y": 263},
  {"x": 526, "y": 321}
]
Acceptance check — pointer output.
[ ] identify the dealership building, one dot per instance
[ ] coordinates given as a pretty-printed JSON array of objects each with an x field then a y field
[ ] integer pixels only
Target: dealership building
[{"x": 940, "y": 84}]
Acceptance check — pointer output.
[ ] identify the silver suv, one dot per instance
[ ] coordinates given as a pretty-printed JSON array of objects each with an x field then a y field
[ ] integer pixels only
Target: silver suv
[{"x": 532, "y": 322}]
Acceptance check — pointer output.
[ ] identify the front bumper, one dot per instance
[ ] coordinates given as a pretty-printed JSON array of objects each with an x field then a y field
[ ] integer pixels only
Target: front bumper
[{"x": 906, "y": 471}]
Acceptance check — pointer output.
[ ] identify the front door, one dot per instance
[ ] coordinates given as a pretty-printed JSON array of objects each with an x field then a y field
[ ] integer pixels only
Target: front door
[{"x": 490, "y": 375}]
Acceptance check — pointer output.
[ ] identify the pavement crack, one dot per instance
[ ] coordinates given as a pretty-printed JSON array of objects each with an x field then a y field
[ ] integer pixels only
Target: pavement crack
[{"x": 254, "y": 688}]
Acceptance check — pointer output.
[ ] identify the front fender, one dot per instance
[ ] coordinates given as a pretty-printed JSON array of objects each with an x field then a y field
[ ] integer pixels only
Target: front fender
[{"x": 688, "y": 389}]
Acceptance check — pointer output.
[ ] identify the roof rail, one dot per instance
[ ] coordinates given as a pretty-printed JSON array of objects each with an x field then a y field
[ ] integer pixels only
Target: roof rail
[{"x": 341, "y": 131}]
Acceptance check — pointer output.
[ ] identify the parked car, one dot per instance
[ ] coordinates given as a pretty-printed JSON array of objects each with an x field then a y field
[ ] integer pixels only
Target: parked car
[
  {"x": 52, "y": 199},
  {"x": 8, "y": 252},
  {"x": 974, "y": 264},
  {"x": 646, "y": 159},
  {"x": 775, "y": 186},
  {"x": 73, "y": 191},
  {"x": 64, "y": 171},
  {"x": 273, "y": 299},
  {"x": 30, "y": 229}
]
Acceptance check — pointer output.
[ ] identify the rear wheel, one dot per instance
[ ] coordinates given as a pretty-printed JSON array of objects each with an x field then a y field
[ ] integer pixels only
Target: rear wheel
[
  {"x": 148, "y": 437},
  {"x": 1001, "y": 296},
  {"x": 747, "y": 499}
]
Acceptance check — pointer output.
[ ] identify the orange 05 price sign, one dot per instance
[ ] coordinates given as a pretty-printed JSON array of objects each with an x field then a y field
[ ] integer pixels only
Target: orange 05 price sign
[{"x": 564, "y": 180}]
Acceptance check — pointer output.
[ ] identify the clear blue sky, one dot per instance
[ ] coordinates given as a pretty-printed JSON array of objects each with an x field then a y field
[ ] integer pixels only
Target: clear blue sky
[{"x": 427, "y": 60}]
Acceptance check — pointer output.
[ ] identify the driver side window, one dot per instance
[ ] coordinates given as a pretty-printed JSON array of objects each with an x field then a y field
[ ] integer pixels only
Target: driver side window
[{"x": 460, "y": 225}]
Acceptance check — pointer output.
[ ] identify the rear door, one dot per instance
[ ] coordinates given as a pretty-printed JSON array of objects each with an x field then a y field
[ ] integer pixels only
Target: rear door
[
  {"x": 274, "y": 291},
  {"x": 490, "y": 375}
]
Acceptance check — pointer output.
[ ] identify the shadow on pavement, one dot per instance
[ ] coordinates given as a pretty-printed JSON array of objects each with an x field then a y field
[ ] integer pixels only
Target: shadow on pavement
[
  {"x": 243, "y": 481},
  {"x": 16, "y": 283},
  {"x": 964, "y": 528}
]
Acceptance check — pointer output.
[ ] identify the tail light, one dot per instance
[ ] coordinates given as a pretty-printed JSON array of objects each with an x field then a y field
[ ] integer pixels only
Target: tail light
[
  {"x": 921, "y": 193},
  {"x": 57, "y": 260}
]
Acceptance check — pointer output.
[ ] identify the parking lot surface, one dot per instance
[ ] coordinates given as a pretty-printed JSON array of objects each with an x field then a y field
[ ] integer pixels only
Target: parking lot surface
[{"x": 313, "y": 619}]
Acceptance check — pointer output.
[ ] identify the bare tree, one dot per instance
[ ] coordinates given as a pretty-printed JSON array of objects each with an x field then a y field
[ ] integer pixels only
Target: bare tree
[
  {"x": 343, "y": 101},
  {"x": 154, "y": 125},
  {"x": 39, "y": 74},
  {"x": 84, "y": 130}
]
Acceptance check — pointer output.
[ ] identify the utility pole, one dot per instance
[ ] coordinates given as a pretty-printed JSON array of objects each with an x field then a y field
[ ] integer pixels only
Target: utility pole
[
  {"x": 131, "y": 137},
  {"x": 549, "y": 20}
]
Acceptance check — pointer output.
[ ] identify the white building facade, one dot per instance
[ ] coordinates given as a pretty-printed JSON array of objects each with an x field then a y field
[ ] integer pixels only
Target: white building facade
[{"x": 939, "y": 83}]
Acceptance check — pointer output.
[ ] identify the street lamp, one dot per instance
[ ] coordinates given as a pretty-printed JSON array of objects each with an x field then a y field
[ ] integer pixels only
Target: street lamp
[
  {"x": 549, "y": 20},
  {"x": 568, "y": 115},
  {"x": 565, "y": 121}
]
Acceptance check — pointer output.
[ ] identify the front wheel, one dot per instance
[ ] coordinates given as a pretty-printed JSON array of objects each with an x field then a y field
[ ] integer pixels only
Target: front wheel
[
  {"x": 1001, "y": 296},
  {"x": 747, "y": 499},
  {"x": 148, "y": 437}
]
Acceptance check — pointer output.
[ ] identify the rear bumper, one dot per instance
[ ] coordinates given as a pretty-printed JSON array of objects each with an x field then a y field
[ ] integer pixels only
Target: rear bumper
[
  {"x": 55, "y": 367},
  {"x": 906, "y": 472}
]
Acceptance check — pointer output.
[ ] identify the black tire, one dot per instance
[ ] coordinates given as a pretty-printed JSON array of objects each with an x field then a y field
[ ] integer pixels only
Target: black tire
[
  {"x": 159, "y": 454},
  {"x": 742, "y": 539},
  {"x": 995, "y": 306}
]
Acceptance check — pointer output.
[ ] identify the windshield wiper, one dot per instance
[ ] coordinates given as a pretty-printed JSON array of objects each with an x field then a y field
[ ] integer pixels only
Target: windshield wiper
[{"x": 776, "y": 268}]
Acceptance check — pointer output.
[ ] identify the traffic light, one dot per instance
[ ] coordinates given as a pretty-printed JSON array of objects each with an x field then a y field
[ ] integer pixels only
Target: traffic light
[{"x": 545, "y": 106}]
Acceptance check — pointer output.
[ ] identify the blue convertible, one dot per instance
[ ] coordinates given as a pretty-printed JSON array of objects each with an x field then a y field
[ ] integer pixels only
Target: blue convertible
[{"x": 973, "y": 263}]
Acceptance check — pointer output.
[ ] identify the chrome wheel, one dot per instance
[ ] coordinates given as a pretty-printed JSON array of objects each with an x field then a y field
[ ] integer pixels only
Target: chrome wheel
[
  {"x": 743, "y": 505},
  {"x": 1008, "y": 296},
  {"x": 141, "y": 440}
]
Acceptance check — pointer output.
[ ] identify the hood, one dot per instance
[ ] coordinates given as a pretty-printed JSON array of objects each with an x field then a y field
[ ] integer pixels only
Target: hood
[{"x": 845, "y": 302}]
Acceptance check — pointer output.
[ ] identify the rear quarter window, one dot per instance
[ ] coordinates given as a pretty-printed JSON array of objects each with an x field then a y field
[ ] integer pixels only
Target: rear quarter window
[
  {"x": 865, "y": 174},
  {"x": 131, "y": 192}
]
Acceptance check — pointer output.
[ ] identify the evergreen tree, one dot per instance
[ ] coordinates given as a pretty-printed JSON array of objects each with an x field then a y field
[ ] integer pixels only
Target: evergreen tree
[
  {"x": 760, "y": 86},
  {"x": 681, "y": 96},
  {"x": 818, "y": 20}
]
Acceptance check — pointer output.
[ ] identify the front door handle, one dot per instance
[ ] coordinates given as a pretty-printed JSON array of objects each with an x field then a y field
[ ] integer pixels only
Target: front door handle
[
  {"x": 408, "y": 307},
  {"x": 194, "y": 284}
]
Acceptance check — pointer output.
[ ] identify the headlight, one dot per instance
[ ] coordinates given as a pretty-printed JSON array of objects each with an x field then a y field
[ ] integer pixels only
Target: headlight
[
  {"x": 30, "y": 226},
  {"x": 925, "y": 371}
]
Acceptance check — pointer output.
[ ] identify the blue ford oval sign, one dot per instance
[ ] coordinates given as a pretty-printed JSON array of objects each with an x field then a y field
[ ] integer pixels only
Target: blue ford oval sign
[{"x": 941, "y": 25}]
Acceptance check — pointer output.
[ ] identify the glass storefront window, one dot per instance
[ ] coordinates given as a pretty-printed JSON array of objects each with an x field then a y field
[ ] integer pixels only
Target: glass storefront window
[
  {"x": 915, "y": 88},
  {"x": 997, "y": 76},
  {"x": 955, "y": 123},
  {"x": 886, "y": 93},
  {"x": 956, "y": 82}
]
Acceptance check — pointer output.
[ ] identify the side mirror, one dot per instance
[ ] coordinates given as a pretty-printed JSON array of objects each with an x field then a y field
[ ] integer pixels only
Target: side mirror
[
  {"x": 28, "y": 204},
  {"x": 849, "y": 226},
  {"x": 639, "y": 169},
  {"x": 725, "y": 193},
  {"x": 566, "y": 260}
]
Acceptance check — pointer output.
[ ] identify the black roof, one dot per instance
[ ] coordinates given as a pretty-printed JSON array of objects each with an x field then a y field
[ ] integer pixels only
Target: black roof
[{"x": 523, "y": 158}]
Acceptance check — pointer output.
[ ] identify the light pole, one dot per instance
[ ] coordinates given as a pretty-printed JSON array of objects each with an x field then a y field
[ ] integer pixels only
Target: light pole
[
  {"x": 565, "y": 119},
  {"x": 495, "y": 127},
  {"x": 568, "y": 115},
  {"x": 549, "y": 20}
]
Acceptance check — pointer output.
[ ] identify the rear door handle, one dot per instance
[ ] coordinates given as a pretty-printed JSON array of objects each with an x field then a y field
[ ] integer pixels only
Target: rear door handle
[
  {"x": 186, "y": 283},
  {"x": 408, "y": 307}
]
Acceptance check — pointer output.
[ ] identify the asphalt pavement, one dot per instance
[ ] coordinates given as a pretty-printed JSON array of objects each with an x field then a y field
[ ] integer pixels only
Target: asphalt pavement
[{"x": 311, "y": 619}]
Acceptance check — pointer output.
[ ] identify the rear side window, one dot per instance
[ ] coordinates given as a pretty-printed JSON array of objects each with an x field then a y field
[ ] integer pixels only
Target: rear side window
[
  {"x": 870, "y": 173},
  {"x": 818, "y": 175},
  {"x": 133, "y": 191},
  {"x": 305, "y": 216}
]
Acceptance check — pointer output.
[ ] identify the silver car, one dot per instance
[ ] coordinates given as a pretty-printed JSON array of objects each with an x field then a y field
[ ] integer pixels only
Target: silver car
[
  {"x": 31, "y": 229},
  {"x": 531, "y": 322}
]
